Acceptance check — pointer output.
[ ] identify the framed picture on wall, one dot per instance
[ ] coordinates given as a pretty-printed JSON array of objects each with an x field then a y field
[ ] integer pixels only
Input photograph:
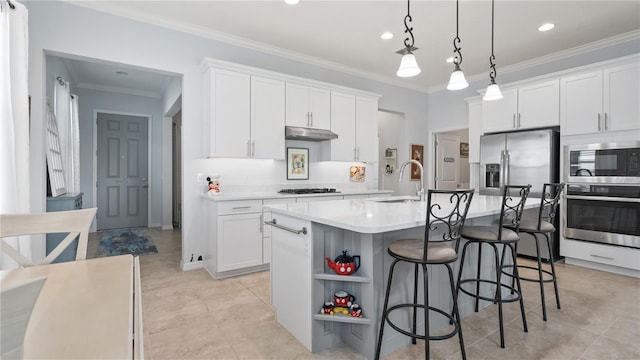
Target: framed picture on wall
[
  {"x": 297, "y": 163},
  {"x": 464, "y": 149},
  {"x": 417, "y": 153}
]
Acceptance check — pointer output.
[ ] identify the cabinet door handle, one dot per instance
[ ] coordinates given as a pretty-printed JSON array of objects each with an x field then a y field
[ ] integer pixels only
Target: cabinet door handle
[
  {"x": 308, "y": 118},
  {"x": 355, "y": 157},
  {"x": 253, "y": 148},
  {"x": 274, "y": 223},
  {"x": 519, "y": 120},
  {"x": 248, "y": 148},
  {"x": 358, "y": 152},
  {"x": 602, "y": 257},
  {"x": 514, "y": 120},
  {"x": 599, "y": 122},
  {"x": 240, "y": 207},
  {"x": 606, "y": 120},
  {"x": 311, "y": 118}
]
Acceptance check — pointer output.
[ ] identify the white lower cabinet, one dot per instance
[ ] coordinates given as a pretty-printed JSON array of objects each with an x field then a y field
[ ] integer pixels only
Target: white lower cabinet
[
  {"x": 239, "y": 241},
  {"x": 266, "y": 230},
  {"x": 601, "y": 256},
  {"x": 238, "y": 236}
]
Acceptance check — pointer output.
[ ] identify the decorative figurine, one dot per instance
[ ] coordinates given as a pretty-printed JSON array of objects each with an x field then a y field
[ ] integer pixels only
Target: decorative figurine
[{"x": 327, "y": 308}]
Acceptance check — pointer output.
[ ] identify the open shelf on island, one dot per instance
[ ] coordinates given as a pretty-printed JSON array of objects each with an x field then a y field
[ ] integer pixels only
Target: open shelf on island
[
  {"x": 336, "y": 277},
  {"x": 342, "y": 318}
]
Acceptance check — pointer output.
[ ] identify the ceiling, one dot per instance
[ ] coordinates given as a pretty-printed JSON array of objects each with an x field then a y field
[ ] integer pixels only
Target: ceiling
[{"x": 345, "y": 35}]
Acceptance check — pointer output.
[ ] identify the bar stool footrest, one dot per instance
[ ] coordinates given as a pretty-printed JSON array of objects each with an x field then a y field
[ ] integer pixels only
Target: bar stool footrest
[
  {"x": 514, "y": 296},
  {"x": 547, "y": 280},
  {"x": 451, "y": 319}
]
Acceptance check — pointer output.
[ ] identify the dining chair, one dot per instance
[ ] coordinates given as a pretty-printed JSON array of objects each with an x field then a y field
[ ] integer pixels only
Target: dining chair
[{"x": 75, "y": 223}]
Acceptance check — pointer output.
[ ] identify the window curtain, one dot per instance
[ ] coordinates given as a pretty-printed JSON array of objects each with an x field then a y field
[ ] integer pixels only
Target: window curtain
[
  {"x": 68, "y": 134},
  {"x": 74, "y": 180},
  {"x": 14, "y": 121}
]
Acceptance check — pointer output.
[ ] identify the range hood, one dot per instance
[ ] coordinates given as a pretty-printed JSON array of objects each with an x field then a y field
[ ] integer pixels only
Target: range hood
[{"x": 308, "y": 134}]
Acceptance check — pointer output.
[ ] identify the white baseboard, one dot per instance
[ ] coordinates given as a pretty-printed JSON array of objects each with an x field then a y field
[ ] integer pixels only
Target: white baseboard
[
  {"x": 154, "y": 225},
  {"x": 602, "y": 267},
  {"x": 167, "y": 227},
  {"x": 193, "y": 265}
]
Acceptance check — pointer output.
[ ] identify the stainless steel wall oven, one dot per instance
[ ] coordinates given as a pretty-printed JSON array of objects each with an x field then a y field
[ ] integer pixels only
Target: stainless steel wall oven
[{"x": 603, "y": 193}]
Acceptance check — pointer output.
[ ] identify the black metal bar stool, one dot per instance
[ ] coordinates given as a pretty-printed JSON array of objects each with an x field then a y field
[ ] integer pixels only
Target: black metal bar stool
[
  {"x": 446, "y": 213},
  {"x": 543, "y": 225},
  {"x": 510, "y": 214}
]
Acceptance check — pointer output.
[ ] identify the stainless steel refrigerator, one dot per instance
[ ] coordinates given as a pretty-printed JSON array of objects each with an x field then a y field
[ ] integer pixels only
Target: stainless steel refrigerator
[{"x": 520, "y": 158}]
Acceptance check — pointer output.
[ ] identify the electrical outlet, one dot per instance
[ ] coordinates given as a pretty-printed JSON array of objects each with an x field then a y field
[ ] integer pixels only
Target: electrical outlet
[{"x": 200, "y": 178}]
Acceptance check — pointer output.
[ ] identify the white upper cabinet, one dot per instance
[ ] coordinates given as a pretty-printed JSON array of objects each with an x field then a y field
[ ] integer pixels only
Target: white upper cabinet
[
  {"x": 601, "y": 101},
  {"x": 246, "y": 115},
  {"x": 308, "y": 106},
  {"x": 366, "y": 129},
  {"x": 526, "y": 107},
  {"x": 343, "y": 123},
  {"x": 501, "y": 114},
  {"x": 267, "y": 118},
  {"x": 354, "y": 119},
  {"x": 229, "y": 107}
]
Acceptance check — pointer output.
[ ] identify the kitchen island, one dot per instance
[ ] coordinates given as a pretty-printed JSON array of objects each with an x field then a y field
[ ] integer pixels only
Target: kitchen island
[{"x": 304, "y": 234}]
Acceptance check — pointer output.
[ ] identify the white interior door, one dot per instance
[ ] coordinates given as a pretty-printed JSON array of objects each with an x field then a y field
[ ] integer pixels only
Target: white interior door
[
  {"x": 447, "y": 159},
  {"x": 123, "y": 182}
]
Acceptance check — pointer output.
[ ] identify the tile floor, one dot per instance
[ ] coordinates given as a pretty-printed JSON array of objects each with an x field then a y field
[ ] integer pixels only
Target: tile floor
[{"x": 188, "y": 315}]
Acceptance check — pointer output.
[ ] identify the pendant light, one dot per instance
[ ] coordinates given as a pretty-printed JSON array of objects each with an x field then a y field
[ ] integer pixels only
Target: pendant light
[
  {"x": 493, "y": 91},
  {"x": 457, "y": 80},
  {"x": 408, "y": 65}
]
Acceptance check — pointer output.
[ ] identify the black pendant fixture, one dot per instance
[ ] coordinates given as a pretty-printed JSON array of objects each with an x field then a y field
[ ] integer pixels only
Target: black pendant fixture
[
  {"x": 493, "y": 90},
  {"x": 408, "y": 65},
  {"x": 457, "y": 80}
]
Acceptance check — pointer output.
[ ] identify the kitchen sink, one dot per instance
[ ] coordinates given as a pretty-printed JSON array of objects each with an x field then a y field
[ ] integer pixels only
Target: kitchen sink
[{"x": 397, "y": 199}]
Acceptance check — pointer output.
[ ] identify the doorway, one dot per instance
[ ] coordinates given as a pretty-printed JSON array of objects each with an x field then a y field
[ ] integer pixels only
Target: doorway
[
  {"x": 451, "y": 160},
  {"x": 123, "y": 173}
]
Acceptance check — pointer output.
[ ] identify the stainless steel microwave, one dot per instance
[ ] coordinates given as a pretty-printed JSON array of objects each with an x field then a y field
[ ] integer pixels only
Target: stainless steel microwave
[{"x": 603, "y": 163}]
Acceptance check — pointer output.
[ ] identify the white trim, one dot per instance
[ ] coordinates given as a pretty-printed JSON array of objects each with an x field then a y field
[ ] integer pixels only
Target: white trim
[
  {"x": 95, "y": 159},
  {"x": 208, "y": 63},
  {"x": 119, "y": 90},
  {"x": 167, "y": 227},
  {"x": 194, "y": 265},
  {"x": 567, "y": 72},
  {"x": 431, "y": 140},
  {"x": 296, "y": 56},
  {"x": 575, "y": 51}
]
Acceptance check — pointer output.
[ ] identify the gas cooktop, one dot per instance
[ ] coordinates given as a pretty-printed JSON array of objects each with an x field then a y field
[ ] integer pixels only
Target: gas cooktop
[{"x": 308, "y": 191}]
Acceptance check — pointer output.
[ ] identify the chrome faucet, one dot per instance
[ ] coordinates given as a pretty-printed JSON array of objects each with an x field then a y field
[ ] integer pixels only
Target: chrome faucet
[{"x": 420, "y": 192}]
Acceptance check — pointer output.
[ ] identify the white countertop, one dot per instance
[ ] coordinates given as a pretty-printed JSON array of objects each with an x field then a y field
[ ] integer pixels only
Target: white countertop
[
  {"x": 276, "y": 195},
  {"x": 370, "y": 217}
]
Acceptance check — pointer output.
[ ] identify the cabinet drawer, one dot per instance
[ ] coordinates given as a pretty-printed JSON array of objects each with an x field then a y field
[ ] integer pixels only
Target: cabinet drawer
[
  {"x": 239, "y": 207},
  {"x": 603, "y": 254}
]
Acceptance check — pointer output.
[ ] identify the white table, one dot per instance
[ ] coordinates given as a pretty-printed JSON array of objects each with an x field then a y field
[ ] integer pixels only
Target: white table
[{"x": 86, "y": 309}]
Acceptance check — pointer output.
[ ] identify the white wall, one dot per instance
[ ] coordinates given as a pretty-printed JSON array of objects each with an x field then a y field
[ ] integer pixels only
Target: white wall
[{"x": 61, "y": 27}]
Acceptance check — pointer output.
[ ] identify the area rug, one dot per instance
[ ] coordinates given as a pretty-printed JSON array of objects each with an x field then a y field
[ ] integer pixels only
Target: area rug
[{"x": 134, "y": 241}]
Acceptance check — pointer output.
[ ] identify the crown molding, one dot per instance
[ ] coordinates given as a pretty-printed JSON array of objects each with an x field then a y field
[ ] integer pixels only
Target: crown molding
[
  {"x": 560, "y": 55},
  {"x": 242, "y": 42},
  {"x": 119, "y": 90},
  {"x": 311, "y": 60}
]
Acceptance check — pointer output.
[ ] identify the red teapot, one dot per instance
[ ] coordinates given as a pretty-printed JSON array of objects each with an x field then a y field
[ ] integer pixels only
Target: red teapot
[{"x": 344, "y": 264}]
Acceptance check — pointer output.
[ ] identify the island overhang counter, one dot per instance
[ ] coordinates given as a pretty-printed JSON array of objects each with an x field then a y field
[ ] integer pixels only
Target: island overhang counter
[{"x": 304, "y": 234}]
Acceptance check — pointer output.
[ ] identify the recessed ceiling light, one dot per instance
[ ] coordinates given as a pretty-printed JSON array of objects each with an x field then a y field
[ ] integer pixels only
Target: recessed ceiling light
[
  {"x": 123, "y": 73},
  {"x": 450, "y": 60},
  {"x": 292, "y": 2},
  {"x": 386, "y": 35},
  {"x": 546, "y": 27}
]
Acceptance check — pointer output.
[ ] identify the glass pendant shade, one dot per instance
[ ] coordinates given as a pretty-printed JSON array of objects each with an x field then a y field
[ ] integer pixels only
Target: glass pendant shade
[
  {"x": 408, "y": 66},
  {"x": 457, "y": 80},
  {"x": 492, "y": 93}
]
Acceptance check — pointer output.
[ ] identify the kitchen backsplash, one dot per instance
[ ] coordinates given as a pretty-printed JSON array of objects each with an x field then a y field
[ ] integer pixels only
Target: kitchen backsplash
[{"x": 255, "y": 175}]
